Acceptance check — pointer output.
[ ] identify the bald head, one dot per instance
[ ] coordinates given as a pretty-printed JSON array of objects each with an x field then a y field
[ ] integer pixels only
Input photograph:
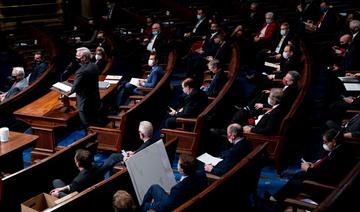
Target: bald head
[{"x": 345, "y": 39}]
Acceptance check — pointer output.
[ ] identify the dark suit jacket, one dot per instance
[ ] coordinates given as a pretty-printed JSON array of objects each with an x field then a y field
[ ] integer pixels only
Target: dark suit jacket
[
  {"x": 86, "y": 87},
  {"x": 289, "y": 96},
  {"x": 352, "y": 54},
  {"x": 202, "y": 29},
  {"x": 182, "y": 192},
  {"x": 328, "y": 24},
  {"x": 217, "y": 83},
  {"x": 160, "y": 44},
  {"x": 232, "y": 156},
  {"x": 283, "y": 44},
  {"x": 38, "y": 70},
  {"x": 194, "y": 104},
  {"x": 334, "y": 168},
  {"x": 146, "y": 144},
  {"x": 270, "y": 122},
  {"x": 291, "y": 64},
  {"x": 85, "y": 179},
  {"x": 354, "y": 126}
]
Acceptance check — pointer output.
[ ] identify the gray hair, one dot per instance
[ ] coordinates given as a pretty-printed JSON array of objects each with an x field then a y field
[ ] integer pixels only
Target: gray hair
[
  {"x": 18, "y": 71},
  {"x": 85, "y": 52},
  {"x": 146, "y": 128},
  {"x": 271, "y": 14}
]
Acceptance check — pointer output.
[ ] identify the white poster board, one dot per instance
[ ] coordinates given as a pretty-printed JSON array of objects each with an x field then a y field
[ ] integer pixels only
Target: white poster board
[{"x": 150, "y": 166}]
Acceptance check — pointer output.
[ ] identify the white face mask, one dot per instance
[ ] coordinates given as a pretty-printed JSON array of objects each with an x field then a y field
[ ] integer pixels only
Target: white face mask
[
  {"x": 285, "y": 55},
  {"x": 98, "y": 57},
  {"x": 269, "y": 101},
  {"x": 326, "y": 148},
  {"x": 198, "y": 17},
  {"x": 178, "y": 167},
  {"x": 268, "y": 20},
  {"x": 150, "y": 62},
  {"x": 282, "y": 32}
]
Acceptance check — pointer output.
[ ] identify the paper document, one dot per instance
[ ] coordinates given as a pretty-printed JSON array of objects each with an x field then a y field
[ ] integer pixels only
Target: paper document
[
  {"x": 272, "y": 65},
  {"x": 62, "y": 87},
  {"x": 352, "y": 86},
  {"x": 113, "y": 77},
  {"x": 112, "y": 81},
  {"x": 209, "y": 159},
  {"x": 349, "y": 79},
  {"x": 103, "y": 85},
  {"x": 135, "y": 81}
]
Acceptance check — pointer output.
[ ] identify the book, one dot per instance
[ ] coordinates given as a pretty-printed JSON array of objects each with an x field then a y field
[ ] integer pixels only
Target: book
[
  {"x": 209, "y": 159},
  {"x": 135, "y": 81},
  {"x": 62, "y": 88},
  {"x": 103, "y": 85},
  {"x": 113, "y": 77},
  {"x": 272, "y": 65}
]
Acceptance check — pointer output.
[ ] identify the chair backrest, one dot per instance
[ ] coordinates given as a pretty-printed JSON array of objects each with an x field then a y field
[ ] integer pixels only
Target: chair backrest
[
  {"x": 99, "y": 196},
  {"x": 39, "y": 86},
  {"x": 33, "y": 180},
  {"x": 346, "y": 196},
  {"x": 188, "y": 141},
  {"x": 232, "y": 190},
  {"x": 151, "y": 108}
]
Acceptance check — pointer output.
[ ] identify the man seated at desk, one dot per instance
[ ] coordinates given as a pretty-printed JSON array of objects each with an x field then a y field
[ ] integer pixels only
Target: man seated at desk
[{"x": 19, "y": 83}]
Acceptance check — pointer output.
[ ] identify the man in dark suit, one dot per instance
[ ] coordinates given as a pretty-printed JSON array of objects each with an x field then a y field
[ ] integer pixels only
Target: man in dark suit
[
  {"x": 350, "y": 129},
  {"x": 86, "y": 87},
  {"x": 191, "y": 183},
  {"x": 145, "y": 134},
  {"x": 201, "y": 27},
  {"x": 261, "y": 102},
  {"x": 39, "y": 67},
  {"x": 239, "y": 149},
  {"x": 158, "y": 42},
  {"x": 194, "y": 103},
  {"x": 151, "y": 81},
  {"x": 269, "y": 122},
  {"x": 218, "y": 81},
  {"x": 88, "y": 176},
  {"x": 352, "y": 54},
  {"x": 329, "y": 170}
]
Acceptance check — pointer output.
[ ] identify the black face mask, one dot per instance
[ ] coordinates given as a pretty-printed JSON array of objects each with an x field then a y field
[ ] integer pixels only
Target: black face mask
[{"x": 344, "y": 46}]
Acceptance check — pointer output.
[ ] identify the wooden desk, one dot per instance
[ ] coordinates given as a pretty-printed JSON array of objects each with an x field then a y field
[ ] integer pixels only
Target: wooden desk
[
  {"x": 11, "y": 157},
  {"x": 45, "y": 114}
]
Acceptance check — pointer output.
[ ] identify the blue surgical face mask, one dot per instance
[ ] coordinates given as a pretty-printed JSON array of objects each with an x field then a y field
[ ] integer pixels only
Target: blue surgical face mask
[
  {"x": 268, "y": 21},
  {"x": 326, "y": 148},
  {"x": 285, "y": 55},
  {"x": 178, "y": 167},
  {"x": 323, "y": 10},
  {"x": 155, "y": 33}
]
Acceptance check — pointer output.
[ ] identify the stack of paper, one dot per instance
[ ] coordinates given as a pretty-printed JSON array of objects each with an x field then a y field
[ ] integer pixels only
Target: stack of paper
[
  {"x": 209, "y": 159},
  {"x": 135, "y": 81},
  {"x": 272, "y": 65},
  {"x": 62, "y": 87},
  {"x": 112, "y": 79}
]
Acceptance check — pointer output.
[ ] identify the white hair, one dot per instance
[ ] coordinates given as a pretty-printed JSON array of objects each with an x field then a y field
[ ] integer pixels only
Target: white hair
[
  {"x": 84, "y": 52},
  {"x": 18, "y": 71},
  {"x": 146, "y": 128}
]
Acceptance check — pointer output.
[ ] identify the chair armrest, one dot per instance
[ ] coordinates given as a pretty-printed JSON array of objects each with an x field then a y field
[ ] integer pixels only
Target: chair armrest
[
  {"x": 186, "y": 120},
  {"x": 315, "y": 185},
  {"x": 180, "y": 133},
  {"x": 136, "y": 97},
  {"x": 299, "y": 204},
  {"x": 212, "y": 177},
  {"x": 145, "y": 90}
]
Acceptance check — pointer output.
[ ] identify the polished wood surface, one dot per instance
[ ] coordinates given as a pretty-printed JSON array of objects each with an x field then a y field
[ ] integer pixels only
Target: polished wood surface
[
  {"x": 47, "y": 113},
  {"x": 11, "y": 151}
]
